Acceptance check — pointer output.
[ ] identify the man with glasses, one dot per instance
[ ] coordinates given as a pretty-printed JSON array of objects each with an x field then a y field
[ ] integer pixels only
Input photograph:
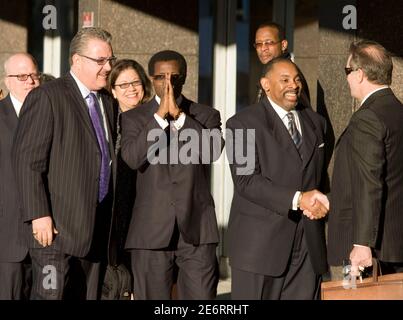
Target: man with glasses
[
  {"x": 270, "y": 43},
  {"x": 173, "y": 224},
  {"x": 21, "y": 76},
  {"x": 64, "y": 165},
  {"x": 366, "y": 215}
]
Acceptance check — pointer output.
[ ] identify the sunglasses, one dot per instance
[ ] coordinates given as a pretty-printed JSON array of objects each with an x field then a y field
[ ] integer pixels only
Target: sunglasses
[
  {"x": 260, "y": 45},
  {"x": 174, "y": 77},
  {"x": 348, "y": 70}
]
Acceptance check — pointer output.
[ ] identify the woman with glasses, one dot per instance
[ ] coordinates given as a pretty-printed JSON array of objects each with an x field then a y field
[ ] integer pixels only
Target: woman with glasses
[{"x": 130, "y": 86}]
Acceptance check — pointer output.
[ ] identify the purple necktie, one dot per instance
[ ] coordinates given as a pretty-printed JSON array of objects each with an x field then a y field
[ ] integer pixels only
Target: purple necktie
[{"x": 95, "y": 114}]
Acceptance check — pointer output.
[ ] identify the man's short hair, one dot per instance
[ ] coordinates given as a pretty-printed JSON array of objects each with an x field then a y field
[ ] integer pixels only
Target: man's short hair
[
  {"x": 168, "y": 55},
  {"x": 81, "y": 39},
  {"x": 269, "y": 66},
  {"x": 278, "y": 27},
  {"x": 28, "y": 55},
  {"x": 373, "y": 59}
]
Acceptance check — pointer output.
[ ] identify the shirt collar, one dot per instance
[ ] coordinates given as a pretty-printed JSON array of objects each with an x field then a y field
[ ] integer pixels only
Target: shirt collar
[
  {"x": 83, "y": 89},
  {"x": 282, "y": 113},
  {"x": 16, "y": 104},
  {"x": 371, "y": 93}
]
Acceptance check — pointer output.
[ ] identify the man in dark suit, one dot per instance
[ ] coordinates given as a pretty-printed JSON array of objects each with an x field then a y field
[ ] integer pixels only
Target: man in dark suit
[
  {"x": 173, "y": 223},
  {"x": 366, "y": 193},
  {"x": 276, "y": 250},
  {"x": 270, "y": 43},
  {"x": 63, "y": 158},
  {"x": 15, "y": 269}
]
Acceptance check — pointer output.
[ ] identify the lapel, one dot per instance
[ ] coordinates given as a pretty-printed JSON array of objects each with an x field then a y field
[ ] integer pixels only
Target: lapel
[
  {"x": 79, "y": 105},
  {"x": 110, "y": 116},
  {"x": 278, "y": 130},
  {"x": 309, "y": 136},
  {"x": 9, "y": 115}
]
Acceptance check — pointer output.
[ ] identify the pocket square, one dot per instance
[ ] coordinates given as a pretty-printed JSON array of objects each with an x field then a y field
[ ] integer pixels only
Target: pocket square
[{"x": 321, "y": 145}]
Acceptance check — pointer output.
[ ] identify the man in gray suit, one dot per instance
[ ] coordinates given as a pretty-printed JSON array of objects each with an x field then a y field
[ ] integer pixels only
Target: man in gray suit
[
  {"x": 64, "y": 164},
  {"x": 21, "y": 77},
  {"x": 366, "y": 194},
  {"x": 277, "y": 246},
  {"x": 173, "y": 223}
]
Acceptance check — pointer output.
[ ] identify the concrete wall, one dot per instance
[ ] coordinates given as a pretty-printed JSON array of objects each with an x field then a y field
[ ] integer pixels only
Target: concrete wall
[
  {"x": 14, "y": 16},
  {"x": 142, "y": 28}
]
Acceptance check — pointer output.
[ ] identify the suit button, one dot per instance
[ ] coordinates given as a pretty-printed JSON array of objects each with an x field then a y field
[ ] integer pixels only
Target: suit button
[
  {"x": 172, "y": 203},
  {"x": 174, "y": 182}
]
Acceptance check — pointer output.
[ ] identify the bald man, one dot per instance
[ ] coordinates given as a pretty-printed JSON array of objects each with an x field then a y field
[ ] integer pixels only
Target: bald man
[
  {"x": 270, "y": 43},
  {"x": 21, "y": 77}
]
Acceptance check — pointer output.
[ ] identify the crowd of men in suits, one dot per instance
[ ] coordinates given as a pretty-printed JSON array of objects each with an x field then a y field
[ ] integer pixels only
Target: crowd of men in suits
[{"x": 58, "y": 170}]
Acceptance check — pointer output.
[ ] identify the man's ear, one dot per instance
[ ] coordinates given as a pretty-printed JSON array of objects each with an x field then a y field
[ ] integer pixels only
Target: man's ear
[
  {"x": 6, "y": 82},
  {"x": 284, "y": 45},
  {"x": 265, "y": 83},
  {"x": 360, "y": 75},
  {"x": 76, "y": 60}
]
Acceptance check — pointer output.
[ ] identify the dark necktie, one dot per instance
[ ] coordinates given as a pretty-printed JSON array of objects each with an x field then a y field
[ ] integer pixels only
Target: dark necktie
[
  {"x": 95, "y": 114},
  {"x": 292, "y": 129}
]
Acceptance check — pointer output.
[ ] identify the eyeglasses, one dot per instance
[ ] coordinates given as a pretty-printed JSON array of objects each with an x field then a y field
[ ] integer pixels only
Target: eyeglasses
[
  {"x": 126, "y": 85},
  {"x": 259, "y": 45},
  {"x": 348, "y": 70},
  {"x": 101, "y": 61},
  {"x": 174, "y": 77},
  {"x": 24, "y": 77}
]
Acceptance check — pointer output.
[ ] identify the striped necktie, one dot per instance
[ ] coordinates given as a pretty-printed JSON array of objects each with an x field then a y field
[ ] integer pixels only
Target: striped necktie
[{"x": 292, "y": 129}]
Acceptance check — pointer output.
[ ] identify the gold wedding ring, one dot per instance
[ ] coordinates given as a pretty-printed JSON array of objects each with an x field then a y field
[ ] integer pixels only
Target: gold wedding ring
[{"x": 34, "y": 233}]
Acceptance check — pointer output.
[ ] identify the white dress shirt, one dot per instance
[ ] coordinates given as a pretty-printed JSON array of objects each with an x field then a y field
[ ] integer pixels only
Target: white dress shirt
[
  {"x": 282, "y": 113},
  {"x": 85, "y": 92},
  {"x": 17, "y": 104}
]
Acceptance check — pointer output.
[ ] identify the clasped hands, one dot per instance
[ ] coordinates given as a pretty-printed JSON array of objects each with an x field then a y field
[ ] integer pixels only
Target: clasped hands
[
  {"x": 168, "y": 106},
  {"x": 314, "y": 204}
]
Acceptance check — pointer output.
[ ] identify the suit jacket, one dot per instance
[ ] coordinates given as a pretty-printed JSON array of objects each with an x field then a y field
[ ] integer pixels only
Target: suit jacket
[
  {"x": 12, "y": 248},
  {"x": 262, "y": 223},
  {"x": 57, "y": 160},
  {"x": 169, "y": 193},
  {"x": 367, "y": 183}
]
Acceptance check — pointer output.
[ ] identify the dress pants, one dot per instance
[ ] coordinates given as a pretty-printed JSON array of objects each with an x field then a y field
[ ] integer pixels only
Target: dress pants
[
  {"x": 15, "y": 280},
  {"x": 196, "y": 267},
  {"x": 298, "y": 282},
  {"x": 58, "y": 276},
  {"x": 390, "y": 267}
]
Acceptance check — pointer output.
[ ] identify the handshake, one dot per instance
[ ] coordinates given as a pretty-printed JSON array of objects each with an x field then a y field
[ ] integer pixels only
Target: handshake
[{"x": 314, "y": 204}]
